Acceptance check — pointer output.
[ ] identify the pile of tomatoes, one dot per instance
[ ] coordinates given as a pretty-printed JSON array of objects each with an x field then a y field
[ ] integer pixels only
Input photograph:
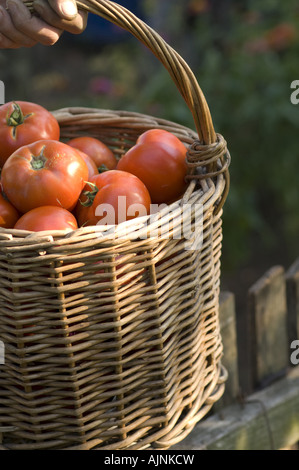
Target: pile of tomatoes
[{"x": 48, "y": 184}]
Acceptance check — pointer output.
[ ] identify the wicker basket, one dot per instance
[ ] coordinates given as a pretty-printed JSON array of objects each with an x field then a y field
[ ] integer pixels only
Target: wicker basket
[{"x": 112, "y": 338}]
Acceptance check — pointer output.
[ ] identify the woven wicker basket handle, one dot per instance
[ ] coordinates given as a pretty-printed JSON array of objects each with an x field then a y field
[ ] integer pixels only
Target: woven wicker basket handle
[
  {"x": 177, "y": 68},
  {"x": 211, "y": 147}
]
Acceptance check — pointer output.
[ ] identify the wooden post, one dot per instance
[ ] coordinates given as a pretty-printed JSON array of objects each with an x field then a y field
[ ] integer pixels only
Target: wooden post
[
  {"x": 269, "y": 338},
  {"x": 227, "y": 316}
]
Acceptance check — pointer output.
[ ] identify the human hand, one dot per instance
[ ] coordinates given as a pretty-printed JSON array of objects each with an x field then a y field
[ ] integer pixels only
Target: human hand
[{"x": 20, "y": 28}]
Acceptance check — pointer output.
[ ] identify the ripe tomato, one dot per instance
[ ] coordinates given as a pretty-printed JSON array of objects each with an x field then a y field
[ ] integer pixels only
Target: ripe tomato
[
  {"x": 92, "y": 167},
  {"x": 160, "y": 136},
  {"x": 22, "y": 123},
  {"x": 47, "y": 218},
  {"x": 159, "y": 160},
  {"x": 44, "y": 173},
  {"x": 112, "y": 197},
  {"x": 103, "y": 157},
  {"x": 8, "y": 213}
]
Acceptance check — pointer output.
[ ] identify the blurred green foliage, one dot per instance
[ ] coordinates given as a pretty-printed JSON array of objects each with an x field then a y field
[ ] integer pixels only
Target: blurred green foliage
[
  {"x": 245, "y": 57},
  {"x": 246, "y": 68}
]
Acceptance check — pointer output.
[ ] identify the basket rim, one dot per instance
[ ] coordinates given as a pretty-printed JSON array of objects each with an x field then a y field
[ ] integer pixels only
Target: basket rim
[
  {"x": 107, "y": 233},
  {"x": 113, "y": 118}
]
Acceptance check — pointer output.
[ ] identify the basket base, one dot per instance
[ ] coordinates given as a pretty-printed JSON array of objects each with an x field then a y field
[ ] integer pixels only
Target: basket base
[{"x": 161, "y": 439}]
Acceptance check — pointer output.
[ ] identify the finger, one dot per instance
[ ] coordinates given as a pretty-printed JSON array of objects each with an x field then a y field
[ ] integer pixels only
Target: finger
[
  {"x": 10, "y": 35},
  {"x": 66, "y": 9},
  {"x": 30, "y": 25},
  {"x": 6, "y": 43},
  {"x": 74, "y": 26}
]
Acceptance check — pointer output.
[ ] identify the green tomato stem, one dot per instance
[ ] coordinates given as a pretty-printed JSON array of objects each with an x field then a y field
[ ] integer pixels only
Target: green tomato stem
[
  {"x": 38, "y": 161},
  {"x": 90, "y": 195},
  {"x": 16, "y": 117},
  {"x": 102, "y": 168}
]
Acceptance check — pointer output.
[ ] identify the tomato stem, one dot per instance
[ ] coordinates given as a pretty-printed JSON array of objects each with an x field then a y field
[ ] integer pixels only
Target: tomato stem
[
  {"x": 16, "y": 117},
  {"x": 38, "y": 161},
  {"x": 102, "y": 168},
  {"x": 90, "y": 195}
]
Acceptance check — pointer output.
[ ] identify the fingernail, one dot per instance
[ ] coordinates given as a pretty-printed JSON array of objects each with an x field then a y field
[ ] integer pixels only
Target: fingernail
[{"x": 69, "y": 9}]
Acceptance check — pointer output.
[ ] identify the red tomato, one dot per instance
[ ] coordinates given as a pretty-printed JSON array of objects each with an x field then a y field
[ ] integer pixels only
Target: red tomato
[
  {"x": 92, "y": 167},
  {"x": 8, "y": 213},
  {"x": 44, "y": 173},
  {"x": 47, "y": 218},
  {"x": 103, "y": 157},
  {"x": 116, "y": 196},
  {"x": 83, "y": 210},
  {"x": 22, "y": 123},
  {"x": 160, "y": 136},
  {"x": 159, "y": 160}
]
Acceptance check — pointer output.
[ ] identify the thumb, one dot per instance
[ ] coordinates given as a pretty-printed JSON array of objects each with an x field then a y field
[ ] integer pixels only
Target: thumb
[{"x": 66, "y": 9}]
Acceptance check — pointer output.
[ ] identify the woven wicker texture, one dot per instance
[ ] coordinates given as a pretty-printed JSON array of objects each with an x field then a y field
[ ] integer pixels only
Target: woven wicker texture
[{"x": 112, "y": 334}]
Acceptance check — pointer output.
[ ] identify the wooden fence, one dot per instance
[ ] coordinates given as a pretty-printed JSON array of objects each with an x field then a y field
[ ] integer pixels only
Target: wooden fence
[{"x": 260, "y": 407}]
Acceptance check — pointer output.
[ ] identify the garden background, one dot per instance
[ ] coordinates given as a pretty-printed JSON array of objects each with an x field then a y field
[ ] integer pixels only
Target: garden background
[{"x": 245, "y": 55}]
